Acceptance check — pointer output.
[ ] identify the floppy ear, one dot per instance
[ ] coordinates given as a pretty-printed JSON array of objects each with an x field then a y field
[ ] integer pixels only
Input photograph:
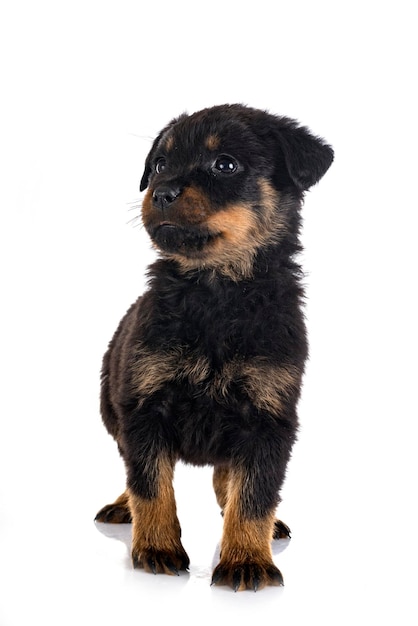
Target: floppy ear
[
  {"x": 147, "y": 171},
  {"x": 307, "y": 158}
]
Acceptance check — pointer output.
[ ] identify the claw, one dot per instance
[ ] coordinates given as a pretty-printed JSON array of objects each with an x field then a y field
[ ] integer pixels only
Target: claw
[
  {"x": 169, "y": 565},
  {"x": 236, "y": 579},
  {"x": 276, "y": 575},
  {"x": 216, "y": 577},
  {"x": 151, "y": 565},
  {"x": 185, "y": 565}
]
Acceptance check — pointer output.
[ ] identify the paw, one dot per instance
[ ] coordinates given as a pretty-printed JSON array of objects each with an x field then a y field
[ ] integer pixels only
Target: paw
[
  {"x": 114, "y": 514},
  {"x": 242, "y": 576},
  {"x": 161, "y": 561},
  {"x": 281, "y": 531}
]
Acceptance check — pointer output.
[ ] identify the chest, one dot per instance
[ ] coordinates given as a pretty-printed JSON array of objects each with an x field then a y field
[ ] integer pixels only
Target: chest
[{"x": 216, "y": 324}]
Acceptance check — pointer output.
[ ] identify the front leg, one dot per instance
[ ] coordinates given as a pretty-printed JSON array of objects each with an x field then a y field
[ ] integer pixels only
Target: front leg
[
  {"x": 156, "y": 544},
  {"x": 221, "y": 478},
  {"x": 246, "y": 558}
]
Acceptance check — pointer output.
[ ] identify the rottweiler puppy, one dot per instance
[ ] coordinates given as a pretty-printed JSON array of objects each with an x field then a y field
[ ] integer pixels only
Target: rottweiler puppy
[{"x": 206, "y": 366}]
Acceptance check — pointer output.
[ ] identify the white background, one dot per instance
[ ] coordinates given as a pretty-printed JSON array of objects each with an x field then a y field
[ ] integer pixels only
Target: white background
[{"x": 85, "y": 86}]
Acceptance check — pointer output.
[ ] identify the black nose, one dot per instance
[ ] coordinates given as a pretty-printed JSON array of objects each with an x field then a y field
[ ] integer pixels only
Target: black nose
[{"x": 165, "y": 195}]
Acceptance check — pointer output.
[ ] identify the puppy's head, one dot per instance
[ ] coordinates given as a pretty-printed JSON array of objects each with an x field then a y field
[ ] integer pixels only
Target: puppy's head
[{"x": 224, "y": 182}]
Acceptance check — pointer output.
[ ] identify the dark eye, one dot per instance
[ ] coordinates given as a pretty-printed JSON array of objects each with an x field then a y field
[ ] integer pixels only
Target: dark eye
[
  {"x": 225, "y": 164},
  {"x": 160, "y": 165}
]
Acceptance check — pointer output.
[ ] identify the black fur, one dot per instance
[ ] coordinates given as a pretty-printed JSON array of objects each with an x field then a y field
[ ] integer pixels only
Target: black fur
[{"x": 220, "y": 329}]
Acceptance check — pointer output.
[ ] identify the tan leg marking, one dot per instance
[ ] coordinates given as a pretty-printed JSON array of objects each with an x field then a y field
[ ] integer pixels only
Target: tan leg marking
[
  {"x": 268, "y": 385},
  {"x": 246, "y": 557},
  {"x": 153, "y": 369},
  {"x": 156, "y": 544}
]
